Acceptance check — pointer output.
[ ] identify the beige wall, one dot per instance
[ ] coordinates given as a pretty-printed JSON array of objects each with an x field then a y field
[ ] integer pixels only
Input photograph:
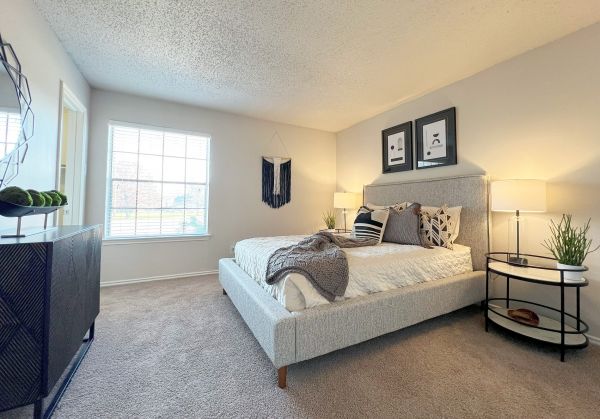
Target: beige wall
[
  {"x": 236, "y": 210},
  {"x": 535, "y": 116},
  {"x": 45, "y": 63}
]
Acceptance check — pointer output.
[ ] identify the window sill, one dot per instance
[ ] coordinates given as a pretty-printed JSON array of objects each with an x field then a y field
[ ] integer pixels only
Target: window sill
[{"x": 154, "y": 239}]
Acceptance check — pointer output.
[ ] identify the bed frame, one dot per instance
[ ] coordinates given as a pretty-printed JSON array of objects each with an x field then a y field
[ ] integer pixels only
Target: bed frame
[{"x": 291, "y": 337}]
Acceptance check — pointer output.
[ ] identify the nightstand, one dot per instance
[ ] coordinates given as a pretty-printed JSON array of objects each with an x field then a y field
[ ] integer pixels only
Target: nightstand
[{"x": 557, "y": 327}]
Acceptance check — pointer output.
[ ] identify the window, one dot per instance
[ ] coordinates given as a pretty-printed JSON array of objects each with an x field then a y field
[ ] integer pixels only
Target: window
[
  {"x": 157, "y": 182},
  {"x": 10, "y": 128}
]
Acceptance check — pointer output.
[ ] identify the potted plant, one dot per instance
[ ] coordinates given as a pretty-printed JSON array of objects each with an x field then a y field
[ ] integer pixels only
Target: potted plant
[
  {"x": 570, "y": 246},
  {"x": 329, "y": 220}
]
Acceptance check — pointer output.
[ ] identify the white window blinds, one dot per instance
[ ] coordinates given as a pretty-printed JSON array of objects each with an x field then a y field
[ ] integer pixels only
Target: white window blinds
[{"x": 157, "y": 182}]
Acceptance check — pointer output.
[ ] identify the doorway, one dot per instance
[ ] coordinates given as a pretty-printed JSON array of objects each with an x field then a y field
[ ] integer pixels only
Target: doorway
[{"x": 72, "y": 156}]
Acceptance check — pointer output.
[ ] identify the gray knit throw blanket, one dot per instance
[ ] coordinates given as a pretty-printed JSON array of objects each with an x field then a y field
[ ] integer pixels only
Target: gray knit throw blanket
[{"x": 320, "y": 259}]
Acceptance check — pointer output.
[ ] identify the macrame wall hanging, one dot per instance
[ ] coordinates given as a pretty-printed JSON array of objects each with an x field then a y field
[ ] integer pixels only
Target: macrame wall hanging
[{"x": 276, "y": 178}]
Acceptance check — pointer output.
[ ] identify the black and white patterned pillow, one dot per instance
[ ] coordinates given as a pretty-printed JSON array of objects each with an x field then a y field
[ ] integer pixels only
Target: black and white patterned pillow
[
  {"x": 453, "y": 212},
  {"x": 437, "y": 228},
  {"x": 370, "y": 223}
]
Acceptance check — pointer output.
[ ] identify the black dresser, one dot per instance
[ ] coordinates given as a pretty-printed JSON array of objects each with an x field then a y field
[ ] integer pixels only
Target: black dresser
[{"x": 49, "y": 300}]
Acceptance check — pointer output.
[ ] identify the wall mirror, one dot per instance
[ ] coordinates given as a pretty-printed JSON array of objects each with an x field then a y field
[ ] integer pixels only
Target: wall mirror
[{"x": 16, "y": 116}]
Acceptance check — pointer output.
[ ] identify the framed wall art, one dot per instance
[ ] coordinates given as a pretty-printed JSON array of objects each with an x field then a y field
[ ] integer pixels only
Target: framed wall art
[
  {"x": 397, "y": 148},
  {"x": 436, "y": 139}
]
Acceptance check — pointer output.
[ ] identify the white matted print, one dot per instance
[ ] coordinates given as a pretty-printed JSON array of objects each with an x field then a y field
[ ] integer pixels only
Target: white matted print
[
  {"x": 396, "y": 149},
  {"x": 397, "y": 154},
  {"x": 434, "y": 140}
]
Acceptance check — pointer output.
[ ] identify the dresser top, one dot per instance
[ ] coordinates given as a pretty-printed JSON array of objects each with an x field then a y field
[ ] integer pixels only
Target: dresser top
[{"x": 49, "y": 236}]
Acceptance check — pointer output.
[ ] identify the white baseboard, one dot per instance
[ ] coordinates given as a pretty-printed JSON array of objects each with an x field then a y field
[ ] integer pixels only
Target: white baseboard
[
  {"x": 594, "y": 340},
  {"x": 156, "y": 278}
]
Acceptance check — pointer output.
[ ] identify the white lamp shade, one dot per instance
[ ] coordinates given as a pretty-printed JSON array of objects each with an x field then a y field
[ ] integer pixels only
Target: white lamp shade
[
  {"x": 346, "y": 200},
  {"x": 526, "y": 195}
]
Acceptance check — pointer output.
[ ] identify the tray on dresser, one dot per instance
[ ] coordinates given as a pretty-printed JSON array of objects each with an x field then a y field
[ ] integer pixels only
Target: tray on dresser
[{"x": 10, "y": 210}]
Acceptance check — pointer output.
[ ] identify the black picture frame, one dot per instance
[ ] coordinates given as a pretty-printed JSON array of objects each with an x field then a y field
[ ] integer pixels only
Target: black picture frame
[
  {"x": 436, "y": 139},
  {"x": 402, "y": 162}
]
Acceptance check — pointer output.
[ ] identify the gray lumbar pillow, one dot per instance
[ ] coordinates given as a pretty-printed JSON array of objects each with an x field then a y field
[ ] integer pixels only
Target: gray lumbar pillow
[{"x": 403, "y": 227}]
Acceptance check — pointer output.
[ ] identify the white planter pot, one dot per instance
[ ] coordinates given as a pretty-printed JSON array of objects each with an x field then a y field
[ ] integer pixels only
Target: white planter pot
[{"x": 571, "y": 275}]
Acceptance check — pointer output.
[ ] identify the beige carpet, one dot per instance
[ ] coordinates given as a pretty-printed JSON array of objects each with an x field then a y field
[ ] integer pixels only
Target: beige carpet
[{"x": 179, "y": 348}]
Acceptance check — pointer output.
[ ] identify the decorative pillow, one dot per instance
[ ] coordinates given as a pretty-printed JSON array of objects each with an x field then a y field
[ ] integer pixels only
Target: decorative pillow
[
  {"x": 397, "y": 206},
  {"x": 374, "y": 207},
  {"x": 370, "y": 223},
  {"x": 437, "y": 228},
  {"x": 400, "y": 206},
  {"x": 453, "y": 212},
  {"x": 403, "y": 226}
]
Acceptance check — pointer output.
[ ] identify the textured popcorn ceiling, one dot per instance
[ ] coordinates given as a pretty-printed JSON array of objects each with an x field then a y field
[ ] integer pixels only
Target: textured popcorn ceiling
[{"x": 324, "y": 64}]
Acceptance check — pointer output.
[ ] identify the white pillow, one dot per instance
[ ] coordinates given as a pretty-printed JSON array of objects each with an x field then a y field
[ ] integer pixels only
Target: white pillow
[
  {"x": 375, "y": 207},
  {"x": 399, "y": 206}
]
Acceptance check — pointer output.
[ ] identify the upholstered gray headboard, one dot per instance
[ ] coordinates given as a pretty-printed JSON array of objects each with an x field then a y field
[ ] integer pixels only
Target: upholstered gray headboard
[{"x": 470, "y": 192}]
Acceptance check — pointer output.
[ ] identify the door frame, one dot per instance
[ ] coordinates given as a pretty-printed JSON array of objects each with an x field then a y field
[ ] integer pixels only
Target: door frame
[{"x": 77, "y": 201}]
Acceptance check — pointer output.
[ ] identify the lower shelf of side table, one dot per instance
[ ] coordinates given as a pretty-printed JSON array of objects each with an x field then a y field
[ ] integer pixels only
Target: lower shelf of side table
[{"x": 572, "y": 340}]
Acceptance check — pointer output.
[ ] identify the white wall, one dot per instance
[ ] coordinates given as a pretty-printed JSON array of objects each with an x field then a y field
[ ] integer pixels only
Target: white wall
[
  {"x": 235, "y": 209},
  {"x": 45, "y": 63},
  {"x": 534, "y": 116}
]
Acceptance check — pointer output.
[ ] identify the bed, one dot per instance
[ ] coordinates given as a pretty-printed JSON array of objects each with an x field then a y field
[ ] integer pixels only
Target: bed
[{"x": 299, "y": 333}]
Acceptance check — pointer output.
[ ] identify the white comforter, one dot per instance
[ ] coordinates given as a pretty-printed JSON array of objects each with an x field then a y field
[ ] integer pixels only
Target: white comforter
[{"x": 372, "y": 269}]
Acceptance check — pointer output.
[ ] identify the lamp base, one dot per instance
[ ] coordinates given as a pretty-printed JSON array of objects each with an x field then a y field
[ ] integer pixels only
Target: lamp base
[{"x": 518, "y": 260}]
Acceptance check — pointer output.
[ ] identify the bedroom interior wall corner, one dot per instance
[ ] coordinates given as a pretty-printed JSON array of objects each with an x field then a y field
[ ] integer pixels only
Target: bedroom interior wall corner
[
  {"x": 531, "y": 117},
  {"x": 594, "y": 340},
  {"x": 45, "y": 63},
  {"x": 236, "y": 210},
  {"x": 158, "y": 278}
]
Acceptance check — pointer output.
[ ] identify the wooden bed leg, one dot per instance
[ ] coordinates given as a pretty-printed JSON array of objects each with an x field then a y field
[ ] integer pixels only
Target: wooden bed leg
[
  {"x": 282, "y": 377},
  {"x": 224, "y": 292}
]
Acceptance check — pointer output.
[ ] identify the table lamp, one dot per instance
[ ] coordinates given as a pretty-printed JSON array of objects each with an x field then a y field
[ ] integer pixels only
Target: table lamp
[
  {"x": 345, "y": 201},
  {"x": 519, "y": 195}
]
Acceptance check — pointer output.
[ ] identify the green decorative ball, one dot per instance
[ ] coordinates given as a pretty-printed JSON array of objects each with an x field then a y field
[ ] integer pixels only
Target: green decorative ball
[
  {"x": 48, "y": 199},
  {"x": 38, "y": 199},
  {"x": 16, "y": 195},
  {"x": 56, "y": 200},
  {"x": 63, "y": 197}
]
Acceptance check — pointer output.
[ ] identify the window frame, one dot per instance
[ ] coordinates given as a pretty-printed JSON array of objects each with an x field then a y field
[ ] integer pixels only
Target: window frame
[
  {"x": 154, "y": 238},
  {"x": 3, "y": 138}
]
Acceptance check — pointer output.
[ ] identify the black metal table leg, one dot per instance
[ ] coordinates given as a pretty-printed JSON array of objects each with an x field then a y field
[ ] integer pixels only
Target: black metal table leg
[
  {"x": 487, "y": 296},
  {"x": 91, "y": 333},
  {"x": 507, "y": 291},
  {"x": 562, "y": 318},
  {"x": 37, "y": 409},
  {"x": 578, "y": 312}
]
